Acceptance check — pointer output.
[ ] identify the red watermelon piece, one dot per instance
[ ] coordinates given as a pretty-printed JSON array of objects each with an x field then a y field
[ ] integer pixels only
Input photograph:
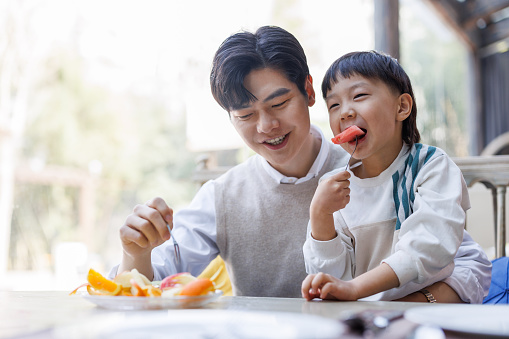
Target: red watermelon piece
[{"x": 348, "y": 135}]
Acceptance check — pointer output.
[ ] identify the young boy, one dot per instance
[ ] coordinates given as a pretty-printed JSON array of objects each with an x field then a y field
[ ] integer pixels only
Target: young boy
[{"x": 391, "y": 224}]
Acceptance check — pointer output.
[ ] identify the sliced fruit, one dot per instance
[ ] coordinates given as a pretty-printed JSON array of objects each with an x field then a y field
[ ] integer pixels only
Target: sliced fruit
[
  {"x": 152, "y": 291},
  {"x": 176, "y": 280},
  {"x": 198, "y": 287},
  {"x": 103, "y": 285},
  {"x": 77, "y": 288},
  {"x": 216, "y": 271},
  {"x": 137, "y": 290},
  {"x": 124, "y": 278},
  {"x": 348, "y": 135}
]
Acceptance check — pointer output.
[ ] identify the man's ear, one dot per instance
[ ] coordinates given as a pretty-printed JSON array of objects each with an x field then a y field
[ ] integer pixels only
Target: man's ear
[
  {"x": 310, "y": 91},
  {"x": 404, "y": 106}
]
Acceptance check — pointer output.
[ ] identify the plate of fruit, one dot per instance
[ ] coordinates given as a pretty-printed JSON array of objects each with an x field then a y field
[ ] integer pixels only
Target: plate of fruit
[{"x": 131, "y": 290}]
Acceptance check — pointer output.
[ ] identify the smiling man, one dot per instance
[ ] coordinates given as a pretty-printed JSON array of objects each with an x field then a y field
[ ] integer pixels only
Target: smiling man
[{"x": 255, "y": 215}]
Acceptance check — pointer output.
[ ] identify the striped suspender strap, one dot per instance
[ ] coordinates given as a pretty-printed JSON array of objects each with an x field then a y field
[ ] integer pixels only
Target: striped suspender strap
[{"x": 404, "y": 179}]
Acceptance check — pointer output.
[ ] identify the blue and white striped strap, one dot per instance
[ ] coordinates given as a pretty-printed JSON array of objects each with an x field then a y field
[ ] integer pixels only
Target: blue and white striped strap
[{"x": 404, "y": 179}]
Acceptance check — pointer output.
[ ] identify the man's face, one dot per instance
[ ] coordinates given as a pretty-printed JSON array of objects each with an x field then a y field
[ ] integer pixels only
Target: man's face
[{"x": 276, "y": 124}]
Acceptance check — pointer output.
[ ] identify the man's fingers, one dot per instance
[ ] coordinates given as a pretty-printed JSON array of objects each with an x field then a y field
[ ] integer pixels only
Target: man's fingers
[
  {"x": 147, "y": 221},
  {"x": 129, "y": 235},
  {"x": 150, "y": 222},
  {"x": 160, "y": 205}
]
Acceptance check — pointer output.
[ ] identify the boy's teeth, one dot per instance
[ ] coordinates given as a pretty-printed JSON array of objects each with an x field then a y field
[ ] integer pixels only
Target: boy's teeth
[{"x": 276, "y": 141}]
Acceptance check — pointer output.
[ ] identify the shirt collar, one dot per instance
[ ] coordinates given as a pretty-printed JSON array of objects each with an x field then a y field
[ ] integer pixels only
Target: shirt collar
[{"x": 313, "y": 171}]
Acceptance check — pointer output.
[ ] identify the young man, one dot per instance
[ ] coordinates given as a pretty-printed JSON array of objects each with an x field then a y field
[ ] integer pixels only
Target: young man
[{"x": 256, "y": 214}]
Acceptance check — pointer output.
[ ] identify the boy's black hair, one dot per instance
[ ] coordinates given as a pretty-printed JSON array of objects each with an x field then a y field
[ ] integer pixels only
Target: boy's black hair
[
  {"x": 269, "y": 47},
  {"x": 376, "y": 65}
]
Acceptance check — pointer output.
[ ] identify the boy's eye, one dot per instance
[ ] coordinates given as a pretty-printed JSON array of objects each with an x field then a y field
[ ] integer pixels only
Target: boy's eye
[
  {"x": 332, "y": 106},
  {"x": 360, "y": 95},
  {"x": 280, "y": 104}
]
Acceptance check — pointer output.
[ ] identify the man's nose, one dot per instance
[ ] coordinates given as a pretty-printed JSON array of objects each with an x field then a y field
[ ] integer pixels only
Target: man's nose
[{"x": 267, "y": 122}]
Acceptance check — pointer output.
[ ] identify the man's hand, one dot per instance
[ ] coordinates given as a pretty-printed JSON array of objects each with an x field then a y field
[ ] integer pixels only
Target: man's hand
[{"x": 143, "y": 230}]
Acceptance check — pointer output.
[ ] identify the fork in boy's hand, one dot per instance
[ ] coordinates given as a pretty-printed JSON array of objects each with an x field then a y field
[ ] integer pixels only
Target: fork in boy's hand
[{"x": 351, "y": 155}]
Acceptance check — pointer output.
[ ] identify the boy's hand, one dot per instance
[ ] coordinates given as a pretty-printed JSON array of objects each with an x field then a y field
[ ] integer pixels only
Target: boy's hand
[
  {"x": 325, "y": 286},
  {"x": 332, "y": 194},
  {"x": 146, "y": 227}
]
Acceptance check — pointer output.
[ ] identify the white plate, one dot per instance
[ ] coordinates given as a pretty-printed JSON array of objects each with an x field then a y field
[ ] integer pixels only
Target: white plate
[
  {"x": 476, "y": 319},
  {"x": 204, "y": 323},
  {"x": 151, "y": 303}
]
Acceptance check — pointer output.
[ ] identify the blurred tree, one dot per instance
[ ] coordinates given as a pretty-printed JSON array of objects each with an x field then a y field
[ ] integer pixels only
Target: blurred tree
[
  {"x": 130, "y": 142},
  {"x": 436, "y": 64},
  {"x": 18, "y": 63}
]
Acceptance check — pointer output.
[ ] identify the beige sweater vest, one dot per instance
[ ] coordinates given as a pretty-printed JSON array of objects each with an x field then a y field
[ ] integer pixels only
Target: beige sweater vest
[{"x": 261, "y": 227}]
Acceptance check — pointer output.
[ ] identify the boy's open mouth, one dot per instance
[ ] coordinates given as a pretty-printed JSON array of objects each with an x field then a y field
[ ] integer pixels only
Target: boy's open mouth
[
  {"x": 359, "y": 137},
  {"x": 365, "y": 132}
]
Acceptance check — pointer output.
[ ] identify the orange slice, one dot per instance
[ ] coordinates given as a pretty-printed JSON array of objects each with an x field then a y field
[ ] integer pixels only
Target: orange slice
[
  {"x": 136, "y": 289},
  {"x": 77, "y": 288},
  {"x": 198, "y": 287},
  {"x": 103, "y": 285},
  {"x": 152, "y": 291}
]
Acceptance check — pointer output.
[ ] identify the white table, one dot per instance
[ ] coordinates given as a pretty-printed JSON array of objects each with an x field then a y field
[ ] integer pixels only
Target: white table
[{"x": 38, "y": 314}]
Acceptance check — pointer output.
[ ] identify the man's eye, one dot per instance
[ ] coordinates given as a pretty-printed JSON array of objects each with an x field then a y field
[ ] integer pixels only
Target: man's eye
[
  {"x": 244, "y": 117},
  {"x": 280, "y": 104}
]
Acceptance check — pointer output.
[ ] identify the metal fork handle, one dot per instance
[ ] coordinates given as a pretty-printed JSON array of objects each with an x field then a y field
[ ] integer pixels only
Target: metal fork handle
[
  {"x": 351, "y": 155},
  {"x": 176, "y": 247}
]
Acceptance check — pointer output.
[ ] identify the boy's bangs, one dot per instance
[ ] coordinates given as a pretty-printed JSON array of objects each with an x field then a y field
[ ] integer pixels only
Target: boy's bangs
[{"x": 366, "y": 64}]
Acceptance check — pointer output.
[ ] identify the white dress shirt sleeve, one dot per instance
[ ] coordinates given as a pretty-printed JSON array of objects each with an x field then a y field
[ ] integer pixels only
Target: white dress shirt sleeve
[
  {"x": 471, "y": 278},
  {"x": 194, "y": 228}
]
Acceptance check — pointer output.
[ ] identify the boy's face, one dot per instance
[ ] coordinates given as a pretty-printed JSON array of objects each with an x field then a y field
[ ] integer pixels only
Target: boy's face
[
  {"x": 374, "y": 107},
  {"x": 276, "y": 125}
]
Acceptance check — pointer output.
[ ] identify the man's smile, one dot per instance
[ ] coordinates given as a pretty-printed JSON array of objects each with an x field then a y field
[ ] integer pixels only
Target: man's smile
[{"x": 276, "y": 141}]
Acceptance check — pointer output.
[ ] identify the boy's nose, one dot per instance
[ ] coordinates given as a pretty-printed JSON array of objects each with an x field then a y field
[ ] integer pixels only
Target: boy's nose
[
  {"x": 266, "y": 123},
  {"x": 347, "y": 113}
]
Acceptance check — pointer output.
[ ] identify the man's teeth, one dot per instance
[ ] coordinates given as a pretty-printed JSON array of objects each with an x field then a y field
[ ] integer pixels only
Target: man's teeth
[{"x": 276, "y": 141}]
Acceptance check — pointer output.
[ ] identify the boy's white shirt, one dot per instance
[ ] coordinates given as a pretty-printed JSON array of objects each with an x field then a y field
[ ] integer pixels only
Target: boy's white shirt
[{"x": 420, "y": 253}]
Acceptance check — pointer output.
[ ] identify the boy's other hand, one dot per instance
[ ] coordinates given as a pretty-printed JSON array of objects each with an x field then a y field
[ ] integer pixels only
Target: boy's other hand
[{"x": 326, "y": 286}]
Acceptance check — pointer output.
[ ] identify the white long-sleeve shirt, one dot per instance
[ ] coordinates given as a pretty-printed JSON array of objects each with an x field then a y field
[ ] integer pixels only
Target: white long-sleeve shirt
[{"x": 419, "y": 246}]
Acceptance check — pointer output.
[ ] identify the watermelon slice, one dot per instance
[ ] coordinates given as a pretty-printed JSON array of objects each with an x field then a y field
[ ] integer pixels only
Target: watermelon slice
[{"x": 348, "y": 135}]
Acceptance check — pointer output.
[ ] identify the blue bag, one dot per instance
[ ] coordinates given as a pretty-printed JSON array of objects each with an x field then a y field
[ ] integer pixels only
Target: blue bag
[{"x": 499, "y": 288}]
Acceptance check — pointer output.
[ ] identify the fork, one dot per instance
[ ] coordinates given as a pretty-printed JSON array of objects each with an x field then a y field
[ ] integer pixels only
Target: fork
[
  {"x": 351, "y": 155},
  {"x": 176, "y": 247}
]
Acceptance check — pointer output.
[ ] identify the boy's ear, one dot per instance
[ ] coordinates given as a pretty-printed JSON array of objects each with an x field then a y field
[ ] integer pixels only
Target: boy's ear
[
  {"x": 310, "y": 91},
  {"x": 404, "y": 106}
]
